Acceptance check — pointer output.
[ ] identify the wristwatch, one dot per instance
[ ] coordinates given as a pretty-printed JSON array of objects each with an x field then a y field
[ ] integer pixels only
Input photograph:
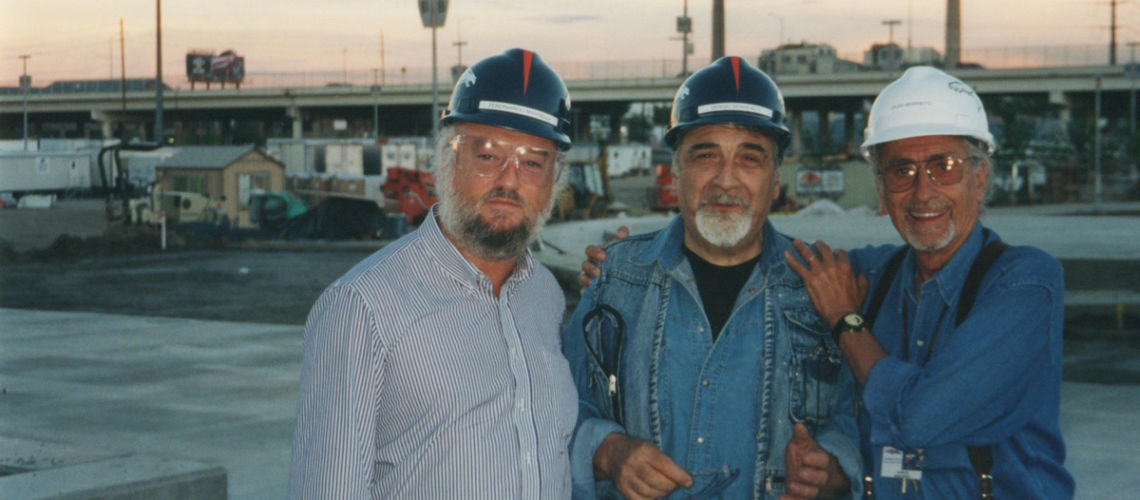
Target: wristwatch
[{"x": 850, "y": 322}]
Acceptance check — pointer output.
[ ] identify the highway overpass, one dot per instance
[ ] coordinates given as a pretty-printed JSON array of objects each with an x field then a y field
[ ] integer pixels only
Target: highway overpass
[{"x": 405, "y": 109}]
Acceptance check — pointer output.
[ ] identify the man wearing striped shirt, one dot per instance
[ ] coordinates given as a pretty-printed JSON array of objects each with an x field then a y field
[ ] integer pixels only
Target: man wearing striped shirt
[{"x": 433, "y": 369}]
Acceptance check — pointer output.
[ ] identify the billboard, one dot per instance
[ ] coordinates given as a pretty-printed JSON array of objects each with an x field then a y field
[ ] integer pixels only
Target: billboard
[{"x": 223, "y": 68}]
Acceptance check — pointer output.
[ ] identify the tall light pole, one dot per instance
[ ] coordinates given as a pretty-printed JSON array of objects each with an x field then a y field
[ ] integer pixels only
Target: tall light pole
[
  {"x": 433, "y": 13},
  {"x": 685, "y": 26},
  {"x": 25, "y": 87}
]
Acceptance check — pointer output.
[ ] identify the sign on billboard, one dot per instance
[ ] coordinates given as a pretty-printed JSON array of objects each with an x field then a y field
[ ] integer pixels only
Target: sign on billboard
[{"x": 223, "y": 68}]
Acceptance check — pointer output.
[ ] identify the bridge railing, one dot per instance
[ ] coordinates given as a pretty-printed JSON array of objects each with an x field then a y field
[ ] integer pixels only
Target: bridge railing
[{"x": 992, "y": 58}]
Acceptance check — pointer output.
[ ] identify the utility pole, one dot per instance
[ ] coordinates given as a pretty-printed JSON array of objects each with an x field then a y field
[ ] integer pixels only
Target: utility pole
[
  {"x": 25, "y": 87},
  {"x": 891, "y": 23},
  {"x": 158, "y": 129},
  {"x": 382, "y": 67},
  {"x": 459, "y": 41},
  {"x": 684, "y": 27}
]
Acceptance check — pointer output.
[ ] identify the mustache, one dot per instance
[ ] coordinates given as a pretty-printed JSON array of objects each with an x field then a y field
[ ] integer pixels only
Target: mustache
[
  {"x": 502, "y": 192},
  {"x": 723, "y": 199}
]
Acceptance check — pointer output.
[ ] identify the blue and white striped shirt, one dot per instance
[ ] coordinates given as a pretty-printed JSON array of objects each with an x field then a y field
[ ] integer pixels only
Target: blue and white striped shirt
[{"x": 418, "y": 382}]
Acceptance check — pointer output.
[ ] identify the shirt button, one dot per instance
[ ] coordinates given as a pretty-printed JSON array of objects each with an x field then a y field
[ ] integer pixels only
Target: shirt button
[
  {"x": 700, "y": 440},
  {"x": 701, "y": 329},
  {"x": 705, "y": 383},
  {"x": 920, "y": 343}
]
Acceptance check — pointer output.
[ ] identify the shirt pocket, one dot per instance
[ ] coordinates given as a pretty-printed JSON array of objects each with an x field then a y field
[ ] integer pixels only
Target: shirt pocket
[{"x": 814, "y": 365}]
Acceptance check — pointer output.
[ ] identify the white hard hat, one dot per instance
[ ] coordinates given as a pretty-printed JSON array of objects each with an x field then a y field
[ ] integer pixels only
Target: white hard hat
[{"x": 926, "y": 101}]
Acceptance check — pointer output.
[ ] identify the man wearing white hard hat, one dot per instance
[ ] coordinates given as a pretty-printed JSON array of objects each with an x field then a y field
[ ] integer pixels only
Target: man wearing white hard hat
[{"x": 955, "y": 337}]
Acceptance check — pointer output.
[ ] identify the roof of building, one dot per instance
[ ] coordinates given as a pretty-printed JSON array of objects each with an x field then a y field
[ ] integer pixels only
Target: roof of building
[{"x": 212, "y": 157}]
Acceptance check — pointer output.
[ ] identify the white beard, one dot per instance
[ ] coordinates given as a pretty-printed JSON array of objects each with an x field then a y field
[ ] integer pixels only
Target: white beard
[
  {"x": 916, "y": 240},
  {"x": 721, "y": 229}
]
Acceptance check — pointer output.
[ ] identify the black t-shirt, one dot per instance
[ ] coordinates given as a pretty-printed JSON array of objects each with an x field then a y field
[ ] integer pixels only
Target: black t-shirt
[{"x": 719, "y": 286}]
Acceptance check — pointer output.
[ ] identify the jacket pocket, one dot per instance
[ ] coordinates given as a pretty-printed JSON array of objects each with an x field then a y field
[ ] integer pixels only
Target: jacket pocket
[{"x": 813, "y": 369}]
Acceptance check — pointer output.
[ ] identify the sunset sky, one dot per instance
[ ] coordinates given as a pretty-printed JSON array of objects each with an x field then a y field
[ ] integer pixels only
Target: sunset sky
[{"x": 79, "y": 39}]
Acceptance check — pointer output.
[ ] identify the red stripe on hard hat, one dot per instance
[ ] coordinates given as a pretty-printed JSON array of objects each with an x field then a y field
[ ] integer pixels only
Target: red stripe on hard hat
[
  {"x": 527, "y": 56},
  {"x": 736, "y": 71}
]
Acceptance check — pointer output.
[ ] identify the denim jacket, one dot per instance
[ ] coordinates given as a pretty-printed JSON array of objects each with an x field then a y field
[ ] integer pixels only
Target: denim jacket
[{"x": 646, "y": 366}]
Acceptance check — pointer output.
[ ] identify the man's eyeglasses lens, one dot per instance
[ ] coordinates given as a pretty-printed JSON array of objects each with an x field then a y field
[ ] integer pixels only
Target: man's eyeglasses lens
[
  {"x": 943, "y": 170},
  {"x": 488, "y": 157}
]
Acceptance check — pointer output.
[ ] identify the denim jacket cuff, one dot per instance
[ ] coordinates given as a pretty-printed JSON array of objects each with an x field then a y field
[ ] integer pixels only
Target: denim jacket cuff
[
  {"x": 846, "y": 451},
  {"x": 590, "y": 434}
]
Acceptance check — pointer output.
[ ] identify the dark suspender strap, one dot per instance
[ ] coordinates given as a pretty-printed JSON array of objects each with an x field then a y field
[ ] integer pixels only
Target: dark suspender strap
[
  {"x": 882, "y": 287},
  {"x": 982, "y": 263},
  {"x": 981, "y": 457}
]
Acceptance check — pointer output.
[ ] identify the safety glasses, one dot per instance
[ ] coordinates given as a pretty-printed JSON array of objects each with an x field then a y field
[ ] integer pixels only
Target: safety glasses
[
  {"x": 488, "y": 157},
  {"x": 944, "y": 170}
]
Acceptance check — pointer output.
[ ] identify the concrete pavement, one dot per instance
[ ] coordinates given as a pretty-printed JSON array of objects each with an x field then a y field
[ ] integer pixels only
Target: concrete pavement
[{"x": 224, "y": 394}]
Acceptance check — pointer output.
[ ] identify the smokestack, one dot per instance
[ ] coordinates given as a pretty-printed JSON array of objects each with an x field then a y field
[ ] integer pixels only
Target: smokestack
[
  {"x": 718, "y": 29},
  {"x": 953, "y": 34}
]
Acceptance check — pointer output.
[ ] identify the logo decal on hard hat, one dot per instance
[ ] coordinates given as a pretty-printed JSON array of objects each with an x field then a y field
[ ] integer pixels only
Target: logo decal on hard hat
[
  {"x": 527, "y": 57},
  {"x": 683, "y": 93},
  {"x": 468, "y": 78},
  {"x": 961, "y": 88},
  {"x": 515, "y": 109},
  {"x": 736, "y": 73},
  {"x": 737, "y": 107}
]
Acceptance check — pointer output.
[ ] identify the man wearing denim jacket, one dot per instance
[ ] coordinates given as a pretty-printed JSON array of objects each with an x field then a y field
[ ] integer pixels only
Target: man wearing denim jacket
[
  {"x": 960, "y": 401},
  {"x": 701, "y": 365}
]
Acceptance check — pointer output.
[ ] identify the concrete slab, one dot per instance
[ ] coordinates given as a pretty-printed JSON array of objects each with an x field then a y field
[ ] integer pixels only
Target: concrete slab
[
  {"x": 224, "y": 393},
  {"x": 209, "y": 392}
]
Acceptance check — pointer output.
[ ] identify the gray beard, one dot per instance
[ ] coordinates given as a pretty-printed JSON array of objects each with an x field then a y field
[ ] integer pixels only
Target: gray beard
[{"x": 475, "y": 235}]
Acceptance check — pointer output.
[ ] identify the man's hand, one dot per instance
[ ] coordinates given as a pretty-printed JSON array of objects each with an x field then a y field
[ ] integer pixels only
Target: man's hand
[
  {"x": 595, "y": 255},
  {"x": 831, "y": 284},
  {"x": 638, "y": 468},
  {"x": 811, "y": 471}
]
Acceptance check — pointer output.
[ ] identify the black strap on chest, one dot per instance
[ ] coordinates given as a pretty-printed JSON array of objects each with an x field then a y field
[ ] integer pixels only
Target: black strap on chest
[{"x": 981, "y": 457}]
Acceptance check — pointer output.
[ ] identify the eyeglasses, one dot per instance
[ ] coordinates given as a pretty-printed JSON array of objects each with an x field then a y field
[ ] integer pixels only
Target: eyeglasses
[
  {"x": 488, "y": 157},
  {"x": 944, "y": 170}
]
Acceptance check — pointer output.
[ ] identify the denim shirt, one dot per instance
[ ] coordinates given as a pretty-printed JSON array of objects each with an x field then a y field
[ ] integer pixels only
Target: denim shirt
[
  {"x": 995, "y": 379},
  {"x": 707, "y": 405}
]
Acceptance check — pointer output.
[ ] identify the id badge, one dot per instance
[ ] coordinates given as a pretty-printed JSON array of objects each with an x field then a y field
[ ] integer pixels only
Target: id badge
[{"x": 898, "y": 464}]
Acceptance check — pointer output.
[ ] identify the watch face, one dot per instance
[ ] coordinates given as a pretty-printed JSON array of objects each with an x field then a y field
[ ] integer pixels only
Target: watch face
[{"x": 853, "y": 320}]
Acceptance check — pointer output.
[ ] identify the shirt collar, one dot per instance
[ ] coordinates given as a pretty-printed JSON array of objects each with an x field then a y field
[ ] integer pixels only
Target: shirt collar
[
  {"x": 447, "y": 256},
  {"x": 949, "y": 280},
  {"x": 667, "y": 246}
]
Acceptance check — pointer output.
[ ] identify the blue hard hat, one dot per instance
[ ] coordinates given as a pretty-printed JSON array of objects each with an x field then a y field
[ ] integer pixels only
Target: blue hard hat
[
  {"x": 729, "y": 91},
  {"x": 514, "y": 90}
]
